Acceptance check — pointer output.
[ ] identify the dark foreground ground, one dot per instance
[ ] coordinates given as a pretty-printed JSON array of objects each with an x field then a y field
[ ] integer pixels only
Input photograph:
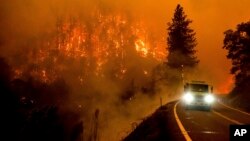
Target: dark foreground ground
[{"x": 157, "y": 127}]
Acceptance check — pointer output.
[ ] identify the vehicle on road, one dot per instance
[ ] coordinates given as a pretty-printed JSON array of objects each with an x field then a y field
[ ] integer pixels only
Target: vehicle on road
[{"x": 198, "y": 94}]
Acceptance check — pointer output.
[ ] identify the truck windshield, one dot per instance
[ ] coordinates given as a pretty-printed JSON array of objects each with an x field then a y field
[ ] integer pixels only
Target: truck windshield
[{"x": 198, "y": 87}]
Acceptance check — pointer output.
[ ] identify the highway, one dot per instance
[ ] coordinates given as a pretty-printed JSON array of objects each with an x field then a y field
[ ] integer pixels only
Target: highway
[{"x": 201, "y": 125}]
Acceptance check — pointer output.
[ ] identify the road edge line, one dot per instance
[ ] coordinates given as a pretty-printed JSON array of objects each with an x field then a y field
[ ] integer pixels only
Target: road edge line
[
  {"x": 227, "y": 118},
  {"x": 183, "y": 130},
  {"x": 234, "y": 109}
]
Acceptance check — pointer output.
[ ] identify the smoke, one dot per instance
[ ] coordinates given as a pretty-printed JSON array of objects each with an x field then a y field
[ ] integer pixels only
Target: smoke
[
  {"x": 101, "y": 52},
  {"x": 106, "y": 51},
  {"x": 210, "y": 20}
]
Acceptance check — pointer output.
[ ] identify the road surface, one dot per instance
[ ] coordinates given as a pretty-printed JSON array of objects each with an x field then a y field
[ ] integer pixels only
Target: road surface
[{"x": 200, "y": 125}]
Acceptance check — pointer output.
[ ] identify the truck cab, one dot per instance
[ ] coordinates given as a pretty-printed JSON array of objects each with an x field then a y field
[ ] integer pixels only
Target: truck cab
[{"x": 198, "y": 94}]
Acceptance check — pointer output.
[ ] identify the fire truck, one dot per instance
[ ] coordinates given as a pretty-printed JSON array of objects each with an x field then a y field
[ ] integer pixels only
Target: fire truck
[{"x": 198, "y": 94}]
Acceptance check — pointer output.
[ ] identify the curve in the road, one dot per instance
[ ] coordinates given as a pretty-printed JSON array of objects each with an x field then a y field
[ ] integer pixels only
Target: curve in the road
[
  {"x": 183, "y": 130},
  {"x": 198, "y": 124}
]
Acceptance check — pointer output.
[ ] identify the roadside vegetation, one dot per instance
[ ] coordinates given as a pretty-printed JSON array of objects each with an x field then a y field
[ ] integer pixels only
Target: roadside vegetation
[{"x": 237, "y": 43}]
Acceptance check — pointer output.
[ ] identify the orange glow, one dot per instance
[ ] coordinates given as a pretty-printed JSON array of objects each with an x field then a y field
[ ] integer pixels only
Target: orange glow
[
  {"x": 103, "y": 47},
  {"x": 17, "y": 73},
  {"x": 105, "y": 44},
  {"x": 226, "y": 87},
  {"x": 141, "y": 48}
]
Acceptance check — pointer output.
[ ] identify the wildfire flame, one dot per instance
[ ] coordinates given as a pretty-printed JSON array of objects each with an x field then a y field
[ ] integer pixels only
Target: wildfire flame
[
  {"x": 93, "y": 47},
  {"x": 141, "y": 48}
]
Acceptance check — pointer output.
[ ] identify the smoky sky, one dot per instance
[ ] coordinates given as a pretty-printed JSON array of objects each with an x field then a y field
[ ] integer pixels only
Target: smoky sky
[
  {"x": 210, "y": 20},
  {"x": 21, "y": 20}
]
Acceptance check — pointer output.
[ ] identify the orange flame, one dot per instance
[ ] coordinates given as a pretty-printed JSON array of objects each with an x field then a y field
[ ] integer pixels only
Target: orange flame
[{"x": 105, "y": 43}]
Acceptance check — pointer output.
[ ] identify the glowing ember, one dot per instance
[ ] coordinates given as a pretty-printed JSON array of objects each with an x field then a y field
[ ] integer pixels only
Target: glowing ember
[{"x": 141, "y": 48}]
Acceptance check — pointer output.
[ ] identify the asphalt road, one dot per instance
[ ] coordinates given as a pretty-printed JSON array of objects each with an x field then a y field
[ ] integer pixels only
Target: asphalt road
[{"x": 201, "y": 125}]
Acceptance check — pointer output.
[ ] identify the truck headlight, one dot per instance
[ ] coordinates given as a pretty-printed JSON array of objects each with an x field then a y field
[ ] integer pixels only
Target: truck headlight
[
  {"x": 209, "y": 98},
  {"x": 188, "y": 97}
]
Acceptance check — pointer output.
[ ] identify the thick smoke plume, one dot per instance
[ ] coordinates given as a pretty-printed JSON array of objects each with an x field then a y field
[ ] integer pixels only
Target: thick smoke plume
[
  {"x": 100, "y": 61},
  {"x": 92, "y": 60}
]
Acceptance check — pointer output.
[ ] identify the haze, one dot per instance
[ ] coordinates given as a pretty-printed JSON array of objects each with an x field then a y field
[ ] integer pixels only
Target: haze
[
  {"x": 210, "y": 19},
  {"x": 27, "y": 24}
]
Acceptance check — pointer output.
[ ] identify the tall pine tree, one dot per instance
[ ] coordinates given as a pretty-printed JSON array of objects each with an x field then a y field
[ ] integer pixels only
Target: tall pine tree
[{"x": 181, "y": 41}]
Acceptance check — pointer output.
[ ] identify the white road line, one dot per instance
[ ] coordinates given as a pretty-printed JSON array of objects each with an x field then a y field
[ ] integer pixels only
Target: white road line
[
  {"x": 183, "y": 131},
  {"x": 227, "y": 118},
  {"x": 234, "y": 109}
]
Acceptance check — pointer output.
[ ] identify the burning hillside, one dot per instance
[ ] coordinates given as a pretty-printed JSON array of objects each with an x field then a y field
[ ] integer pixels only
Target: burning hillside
[
  {"x": 85, "y": 63},
  {"x": 100, "y": 46}
]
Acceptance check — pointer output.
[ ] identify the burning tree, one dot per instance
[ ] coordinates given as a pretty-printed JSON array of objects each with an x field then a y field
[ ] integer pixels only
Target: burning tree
[
  {"x": 104, "y": 46},
  {"x": 106, "y": 56},
  {"x": 73, "y": 57}
]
